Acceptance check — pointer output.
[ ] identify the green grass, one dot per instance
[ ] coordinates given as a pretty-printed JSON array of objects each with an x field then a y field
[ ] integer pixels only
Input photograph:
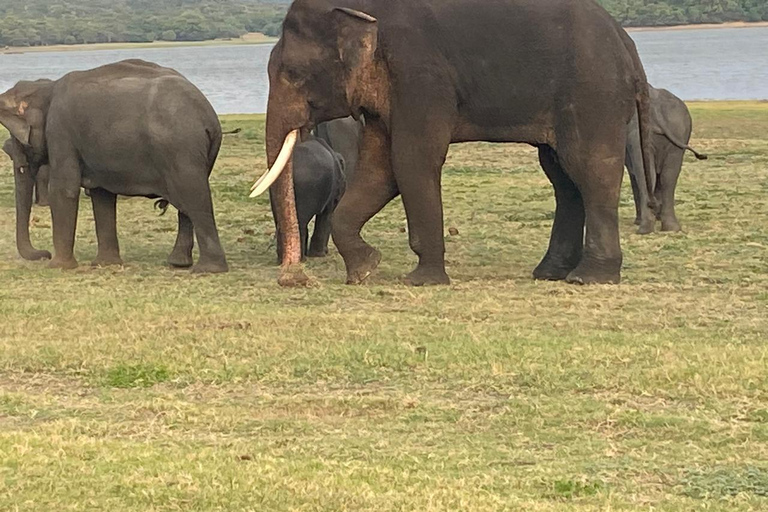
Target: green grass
[{"x": 145, "y": 389}]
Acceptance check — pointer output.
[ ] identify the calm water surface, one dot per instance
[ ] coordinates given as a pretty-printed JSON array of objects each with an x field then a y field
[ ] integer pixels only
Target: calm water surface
[{"x": 721, "y": 64}]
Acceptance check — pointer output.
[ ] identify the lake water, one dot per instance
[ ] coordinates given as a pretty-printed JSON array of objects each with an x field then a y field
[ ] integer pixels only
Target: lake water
[{"x": 722, "y": 64}]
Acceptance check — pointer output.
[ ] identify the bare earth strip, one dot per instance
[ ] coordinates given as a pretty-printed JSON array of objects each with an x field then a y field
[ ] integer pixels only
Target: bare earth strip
[{"x": 144, "y": 389}]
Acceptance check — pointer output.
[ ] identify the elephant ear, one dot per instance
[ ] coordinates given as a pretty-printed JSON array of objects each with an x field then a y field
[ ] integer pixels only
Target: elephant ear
[
  {"x": 357, "y": 36},
  {"x": 15, "y": 120}
]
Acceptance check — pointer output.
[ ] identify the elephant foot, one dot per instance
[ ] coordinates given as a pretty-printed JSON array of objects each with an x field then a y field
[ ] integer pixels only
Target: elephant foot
[
  {"x": 210, "y": 267},
  {"x": 110, "y": 260},
  {"x": 35, "y": 255},
  {"x": 427, "y": 276},
  {"x": 592, "y": 272},
  {"x": 552, "y": 269},
  {"x": 670, "y": 225},
  {"x": 317, "y": 253},
  {"x": 63, "y": 263},
  {"x": 180, "y": 259},
  {"x": 646, "y": 227},
  {"x": 360, "y": 267}
]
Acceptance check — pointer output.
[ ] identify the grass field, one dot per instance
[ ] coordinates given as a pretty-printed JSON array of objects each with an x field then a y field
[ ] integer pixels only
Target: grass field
[{"x": 145, "y": 389}]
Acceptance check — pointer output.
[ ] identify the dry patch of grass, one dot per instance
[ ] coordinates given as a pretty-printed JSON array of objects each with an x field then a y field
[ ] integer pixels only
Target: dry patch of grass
[{"x": 142, "y": 388}]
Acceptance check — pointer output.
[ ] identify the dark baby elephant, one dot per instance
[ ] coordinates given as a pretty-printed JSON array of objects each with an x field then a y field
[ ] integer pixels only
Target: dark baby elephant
[
  {"x": 428, "y": 73},
  {"x": 344, "y": 136},
  {"x": 31, "y": 181},
  {"x": 131, "y": 128},
  {"x": 671, "y": 125},
  {"x": 319, "y": 183}
]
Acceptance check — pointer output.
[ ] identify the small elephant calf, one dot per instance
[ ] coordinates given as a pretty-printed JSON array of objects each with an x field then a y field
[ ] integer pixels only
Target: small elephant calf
[
  {"x": 319, "y": 183},
  {"x": 671, "y": 127}
]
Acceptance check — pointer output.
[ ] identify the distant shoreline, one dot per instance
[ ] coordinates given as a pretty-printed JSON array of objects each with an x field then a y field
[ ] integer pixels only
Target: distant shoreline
[
  {"x": 257, "y": 38},
  {"x": 702, "y": 26},
  {"x": 247, "y": 39}
]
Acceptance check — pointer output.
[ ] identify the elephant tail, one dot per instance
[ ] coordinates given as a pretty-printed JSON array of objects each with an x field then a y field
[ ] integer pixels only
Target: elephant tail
[
  {"x": 685, "y": 147},
  {"x": 232, "y": 132},
  {"x": 643, "y": 105},
  {"x": 162, "y": 205},
  {"x": 214, "y": 139}
]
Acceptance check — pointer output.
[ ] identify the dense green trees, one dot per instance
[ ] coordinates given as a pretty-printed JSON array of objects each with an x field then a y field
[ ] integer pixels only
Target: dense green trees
[
  {"x": 44, "y": 22},
  {"x": 674, "y": 12}
]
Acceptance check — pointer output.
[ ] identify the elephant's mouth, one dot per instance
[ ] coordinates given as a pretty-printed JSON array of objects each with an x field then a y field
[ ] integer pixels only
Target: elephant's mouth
[{"x": 269, "y": 178}]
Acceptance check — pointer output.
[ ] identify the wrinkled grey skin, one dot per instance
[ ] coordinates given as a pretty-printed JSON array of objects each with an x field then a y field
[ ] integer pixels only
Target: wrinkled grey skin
[
  {"x": 319, "y": 183},
  {"x": 671, "y": 131},
  {"x": 344, "y": 136},
  {"x": 130, "y": 128},
  {"x": 30, "y": 179}
]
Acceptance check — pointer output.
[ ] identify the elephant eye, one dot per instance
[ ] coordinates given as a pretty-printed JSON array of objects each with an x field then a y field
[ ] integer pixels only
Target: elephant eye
[{"x": 294, "y": 76}]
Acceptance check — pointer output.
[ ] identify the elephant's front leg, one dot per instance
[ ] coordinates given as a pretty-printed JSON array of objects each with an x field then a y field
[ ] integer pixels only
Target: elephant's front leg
[
  {"x": 105, "y": 215},
  {"x": 372, "y": 187},
  {"x": 64, "y": 203},
  {"x": 418, "y": 155}
]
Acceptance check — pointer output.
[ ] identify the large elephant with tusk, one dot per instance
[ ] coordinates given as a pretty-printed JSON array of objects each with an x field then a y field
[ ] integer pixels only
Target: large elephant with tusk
[{"x": 560, "y": 75}]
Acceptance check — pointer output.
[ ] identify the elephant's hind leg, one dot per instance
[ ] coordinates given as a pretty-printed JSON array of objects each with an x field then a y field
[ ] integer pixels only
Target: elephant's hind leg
[
  {"x": 598, "y": 177},
  {"x": 318, "y": 246},
  {"x": 372, "y": 188},
  {"x": 105, "y": 215},
  {"x": 190, "y": 193},
  {"x": 181, "y": 256},
  {"x": 566, "y": 243},
  {"x": 670, "y": 172}
]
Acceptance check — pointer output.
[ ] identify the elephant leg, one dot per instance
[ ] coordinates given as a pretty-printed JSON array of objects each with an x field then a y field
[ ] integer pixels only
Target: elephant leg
[
  {"x": 181, "y": 256},
  {"x": 41, "y": 186},
  {"x": 636, "y": 198},
  {"x": 304, "y": 237},
  {"x": 190, "y": 193},
  {"x": 598, "y": 176},
  {"x": 418, "y": 155},
  {"x": 318, "y": 247},
  {"x": 64, "y": 195},
  {"x": 372, "y": 188},
  {"x": 670, "y": 172},
  {"x": 105, "y": 215},
  {"x": 566, "y": 243}
]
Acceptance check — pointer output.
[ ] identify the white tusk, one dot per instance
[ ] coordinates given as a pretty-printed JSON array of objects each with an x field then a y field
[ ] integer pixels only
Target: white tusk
[{"x": 266, "y": 181}]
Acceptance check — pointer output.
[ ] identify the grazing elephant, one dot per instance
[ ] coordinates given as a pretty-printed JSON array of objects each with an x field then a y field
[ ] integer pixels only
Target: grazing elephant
[
  {"x": 319, "y": 184},
  {"x": 561, "y": 75},
  {"x": 344, "y": 136},
  {"x": 29, "y": 177},
  {"x": 671, "y": 125},
  {"x": 130, "y": 128}
]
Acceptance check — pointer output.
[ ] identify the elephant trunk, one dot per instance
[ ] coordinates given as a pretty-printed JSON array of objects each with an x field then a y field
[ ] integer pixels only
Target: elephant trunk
[
  {"x": 283, "y": 200},
  {"x": 25, "y": 185}
]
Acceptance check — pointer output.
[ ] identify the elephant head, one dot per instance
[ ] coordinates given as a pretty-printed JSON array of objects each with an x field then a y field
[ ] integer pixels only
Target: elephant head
[
  {"x": 22, "y": 111},
  {"x": 324, "y": 67}
]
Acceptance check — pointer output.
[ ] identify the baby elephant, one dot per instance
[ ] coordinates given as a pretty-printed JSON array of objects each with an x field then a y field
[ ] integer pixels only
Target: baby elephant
[
  {"x": 31, "y": 178},
  {"x": 319, "y": 183},
  {"x": 671, "y": 127}
]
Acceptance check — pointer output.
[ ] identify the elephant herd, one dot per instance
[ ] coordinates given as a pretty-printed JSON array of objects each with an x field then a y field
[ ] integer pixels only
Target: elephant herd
[{"x": 365, "y": 98}]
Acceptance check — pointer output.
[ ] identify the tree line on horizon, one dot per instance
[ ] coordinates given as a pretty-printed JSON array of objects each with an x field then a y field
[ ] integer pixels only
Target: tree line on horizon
[{"x": 48, "y": 22}]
